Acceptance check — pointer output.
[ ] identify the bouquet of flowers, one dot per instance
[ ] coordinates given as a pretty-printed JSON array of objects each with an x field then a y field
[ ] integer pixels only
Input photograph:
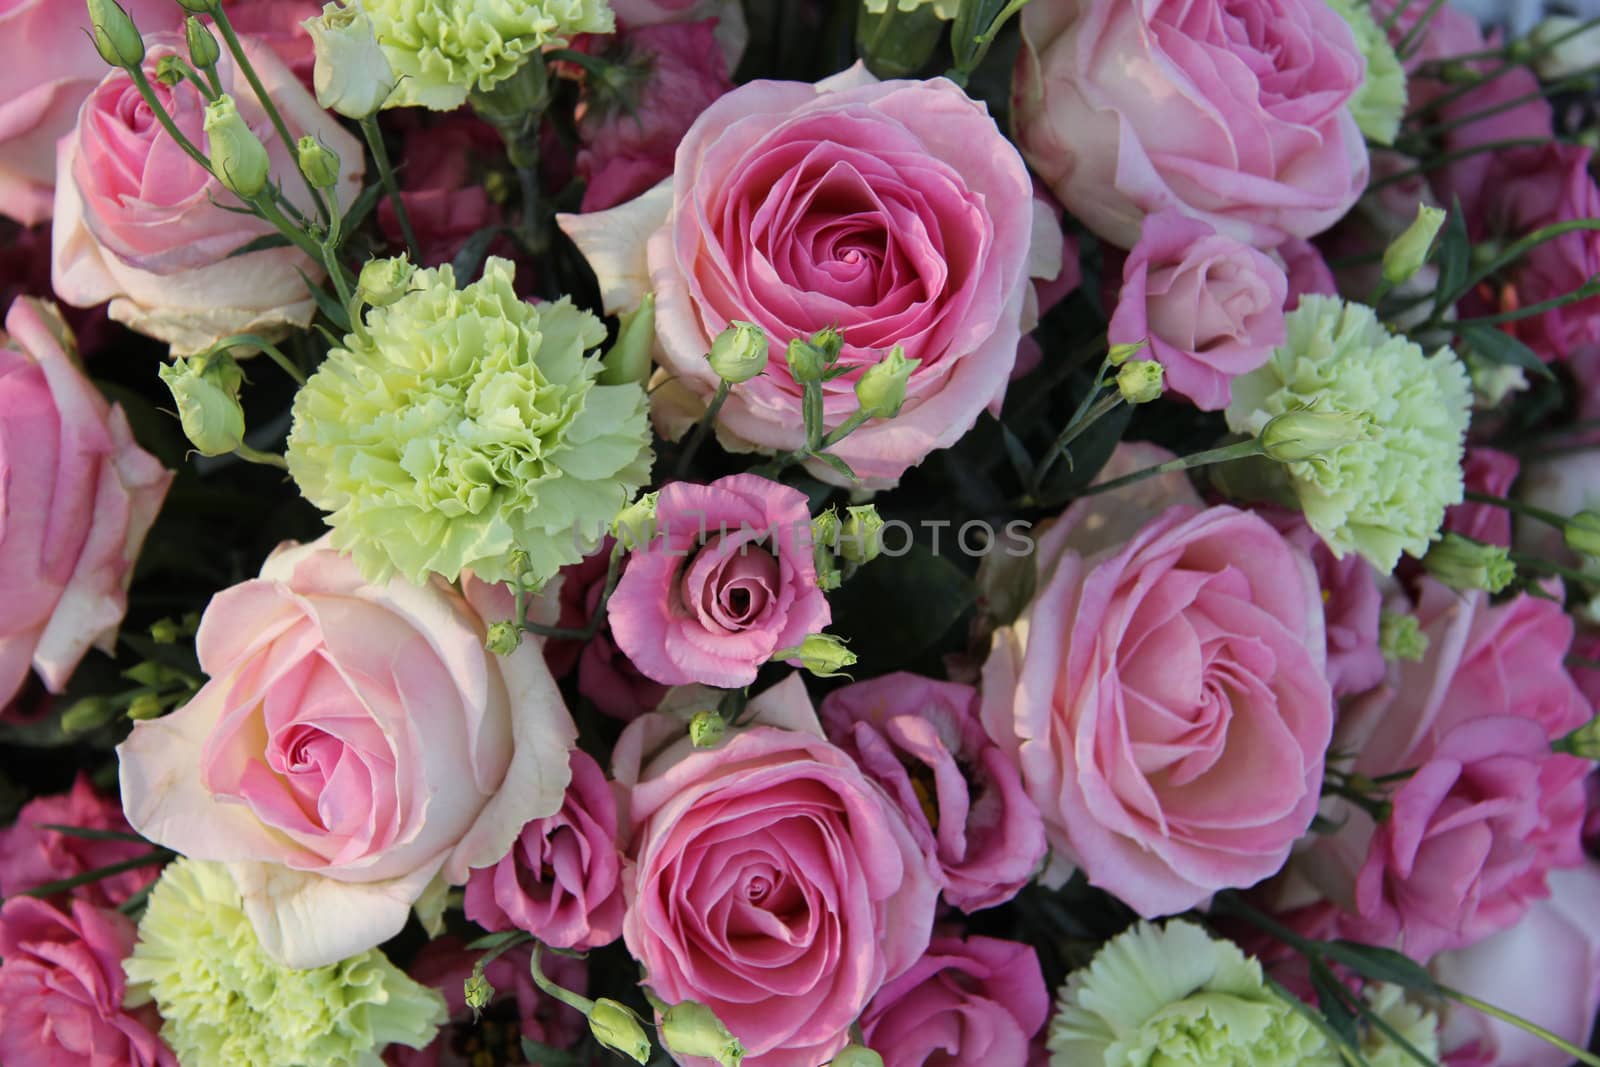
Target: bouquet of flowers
[{"x": 798, "y": 532}]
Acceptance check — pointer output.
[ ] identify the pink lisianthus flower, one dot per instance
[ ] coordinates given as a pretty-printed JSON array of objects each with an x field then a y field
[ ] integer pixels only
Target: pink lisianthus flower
[{"x": 31, "y": 855}]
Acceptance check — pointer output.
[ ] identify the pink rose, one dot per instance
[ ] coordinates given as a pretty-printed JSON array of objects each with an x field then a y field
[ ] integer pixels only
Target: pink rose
[
  {"x": 1165, "y": 700},
  {"x": 1545, "y": 969},
  {"x": 1305, "y": 271},
  {"x": 606, "y": 678},
  {"x": 1485, "y": 470},
  {"x": 895, "y": 211},
  {"x": 1487, "y": 809},
  {"x": 561, "y": 881},
  {"x": 973, "y": 1000},
  {"x": 1352, "y": 606},
  {"x": 1211, "y": 307},
  {"x": 1235, "y": 114},
  {"x": 517, "y": 1010},
  {"x": 772, "y": 881},
  {"x": 50, "y": 67},
  {"x": 278, "y": 25},
  {"x": 959, "y": 793},
  {"x": 442, "y": 184},
  {"x": 62, "y": 988},
  {"x": 31, "y": 856},
  {"x": 355, "y": 742},
  {"x": 138, "y": 223},
  {"x": 728, "y": 579},
  {"x": 627, "y": 150},
  {"x": 78, "y": 496}
]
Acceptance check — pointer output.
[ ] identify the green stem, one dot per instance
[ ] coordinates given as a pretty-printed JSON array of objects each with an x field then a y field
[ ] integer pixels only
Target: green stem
[
  {"x": 1517, "y": 507},
  {"x": 271, "y": 350},
  {"x": 702, "y": 429},
  {"x": 154, "y": 856},
  {"x": 336, "y": 271},
  {"x": 1239, "y": 450},
  {"x": 302, "y": 240},
  {"x": 1404, "y": 48},
  {"x": 266, "y": 459},
  {"x": 549, "y": 988},
  {"x": 1520, "y": 1023},
  {"x": 811, "y": 407},
  {"x": 1573, "y": 81},
  {"x": 1534, "y": 563},
  {"x": 380, "y": 155},
  {"x": 90, "y": 834},
  {"x": 1438, "y": 162},
  {"x": 1519, "y": 249},
  {"x": 207, "y": 93},
  {"x": 1080, "y": 422},
  {"x": 1583, "y": 292},
  {"x": 857, "y": 419}
]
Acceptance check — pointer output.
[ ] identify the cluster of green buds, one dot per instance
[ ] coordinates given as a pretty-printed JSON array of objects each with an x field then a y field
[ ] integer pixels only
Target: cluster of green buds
[{"x": 855, "y": 538}]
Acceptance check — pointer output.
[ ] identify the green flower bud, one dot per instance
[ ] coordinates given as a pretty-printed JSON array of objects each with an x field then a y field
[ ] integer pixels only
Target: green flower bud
[
  {"x": 87, "y": 714},
  {"x": 1584, "y": 742},
  {"x": 618, "y": 1029},
  {"x": 881, "y": 389},
  {"x": 169, "y": 70},
  {"x": 1407, "y": 253},
  {"x": 1462, "y": 563},
  {"x": 821, "y": 654},
  {"x": 627, "y": 362},
  {"x": 860, "y": 538},
  {"x": 856, "y": 1056},
  {"x": 828, "y": 576},
  {"x": 203, "y": 48},
  {"x": 116, "y": 38},
  {"x": 477, "y": 989},
  {"x": 828, "y": 340},
  {"x": 705, "y": 731},
  {"x": 384, "y": 281},
  {"x": 165, "y": 632},
  {"x": 1305, "y": 434},
  {"x": 206, "y": 390},
  {"x": 237, "y": 154},
  {"x": 1139, "y": 381},
  {"x": 825, "y": 531},
  {"x": 1120, "y": 354},
  {"x": 318, "y": 162},
  {"x": 145, "y": 706},
  {"x": 352, "y": 75},
  {"x": 689, "y": 1028},
  {"x": 503, "y": 638},
  {"x": 739, "y": 353},
  {"x": 806, "y": 362},
  {"x": 1582, "y": 533},
  {"x": 1400, "y": 637},
  {"x": 635, "y": 525}
]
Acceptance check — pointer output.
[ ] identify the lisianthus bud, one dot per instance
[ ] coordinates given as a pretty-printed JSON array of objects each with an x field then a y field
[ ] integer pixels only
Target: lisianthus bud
[
  {"x": 318, "y": 162},
  {"x": 237, "y": 154},
  {"x": 706, "y": 729},
  {"x": 477, "y": 990},
  {"x": 828, "y": 340},
  {"x": 739, "y": 353},
  {"x": 352, "y": 75},
  {"x": 1407, "y": 253},
  {"x": 1400, "y": 637},
  {"x": 169, "y": 70},
  {"x": 856, "y": 1056},
  {"x": 628, "y": 359},
  {"x": 87, "y": 714},
  {"x": 689, "y": 1028},
  {"x": 384, "y": 281},
  {"x": 1305, "y": 434},
  {"x": 116, "y": 38},
  {"x": 503, "y": 638},
  {"x": 806, "y": 362},
  {"x": 1462, "y": 563},
  {"x": 1139, "y": 381},
  {"x": 1584, "y": 742},
  {"x": 635, "y": 524},
  {"x": 1120, "y": 354},
  {"x": 206, "y": 390},
  {"x": 618, "y": 1029},
  {"x": 881, "y": 389},
  {"x": 1582, "y": 534},
  {"x": 203, "y": 48},
  {"x": 145, "y": 706},
  {"x": 825, "y": 531},
  {"x": 860, "y": 538},
  {"x": 822, "y": 654}
]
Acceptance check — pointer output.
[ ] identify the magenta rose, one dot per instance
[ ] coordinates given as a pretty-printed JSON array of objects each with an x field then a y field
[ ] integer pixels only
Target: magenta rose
[
  {"x": 895, "y": 211},
  {"x": 606, "y": 678},
  {"x": 355, "y": 742},
  {"x": 1232, "y": 113},
  {"x": 138, "y": 223},
  {"x": 973, "y": 1000},
  {"x": 772, "y": 881},
  {"x": 960, "y": 794},
  {"x": 31, "y": 856},
  {"x": 1352, "y": 606},
  {"x": 442, "y": 185},
  {"x": 561, "y": 881},
  {"x": 1484, "y": 809},
  {"x": 51, "y": 65},
  {"x": 77, "y": 494},
  {"x": 728, "y": 579},
  {"x": 1165, "y": 700},
  {"x": 62, "y": 990},
  {"x": 1211, "y": 307},
  {"x": 1485, "y": 470}
]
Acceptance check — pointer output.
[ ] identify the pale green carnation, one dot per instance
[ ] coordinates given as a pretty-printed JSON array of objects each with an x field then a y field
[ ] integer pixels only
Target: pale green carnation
[
  {"x": 224, "y": 1001},
  {"x": 444, "y": 49},
  {"x": 1387, "y": 492},
  {"x": 1168, "y": 996},
  {"x": 1381, "y": 101},
  {"x": 1418, "y": 1026},
  {"x": 460, "y": 426},
  {"x": 945, "y": 9}
]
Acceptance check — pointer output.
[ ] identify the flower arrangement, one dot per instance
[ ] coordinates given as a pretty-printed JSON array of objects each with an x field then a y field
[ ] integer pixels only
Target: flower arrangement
[{"x": 798, "y": 533}]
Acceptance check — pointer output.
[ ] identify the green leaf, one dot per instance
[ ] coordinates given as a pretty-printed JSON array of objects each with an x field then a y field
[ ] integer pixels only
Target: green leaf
[
  {"x": 329, "y": 305},
  {"x": 469, "y": 258},
  {"x": 260, "y": 244},
  {"x": 1454, "y": 257},
  {"x": 837, "y": 464},
  {"x": 550, "y": 1056},
  {"x": 89, "y": 833},
  {"x": 489, "y": 942},
  {"x": 1497, "y": 346},
  {"x": 898, "y": 606},
  {"x": 1331, "y": 1000},
  {"x": 1381, "y": 964},
  {"x": 1017, "y": 453},
  {"x": 360, "y": 208}
]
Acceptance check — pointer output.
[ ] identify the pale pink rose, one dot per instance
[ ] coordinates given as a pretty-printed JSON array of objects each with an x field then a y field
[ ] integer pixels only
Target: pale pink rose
[
  {"x": 1487, "y": 809},
  {"x": 960, "y": 794},
  {"x": 140, "y": 224},
  {"x": 895, "y": 211},
  {"x": 31, "y": 855},
  {"x": 62, "y": 989},
  {"x": 561, "y": 881},
  {"x": 51, "y": 65},
  {"x": 1235, "y": 114},
  {"x": 1305, "y": 271},
  {"x": 355, "y": 741},
  {"x": 1165, "y": 700},
  {"x": 1211, "y": 307},
  {"x": 772, "y": 881},
  {"x": 606, "y": 678},
  {"x": 728, "y": 579},
  {"x": 626, "y": 150},
  {"x": 972, "y": 1000},
  {"x": 1485, "y": 470},
  {"x": 1352, "y": 606},
  {"x": 1545, "y": 969},
  {"x": 77, "y": 494},
  {"x": 517, "y": 1010}
]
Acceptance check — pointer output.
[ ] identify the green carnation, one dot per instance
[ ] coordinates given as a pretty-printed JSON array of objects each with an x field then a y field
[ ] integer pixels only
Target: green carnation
[
  {"x": 1418, "y": 1026},
  {"x": 444, "y": 49},
  {"x": 460, "y": 426},
  {"x": 224, "y": 1001},
  {"x": 1381, "y": 101},
  {"x": 1387, "y": 492},
  {"x": 1167, "y": 996}
]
